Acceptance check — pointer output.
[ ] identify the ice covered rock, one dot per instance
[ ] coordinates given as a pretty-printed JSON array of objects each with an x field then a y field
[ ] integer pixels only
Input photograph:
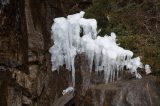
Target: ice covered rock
[{"x": 102, "y": 52}]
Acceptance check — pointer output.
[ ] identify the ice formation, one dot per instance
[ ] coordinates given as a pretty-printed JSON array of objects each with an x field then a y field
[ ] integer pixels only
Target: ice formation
[
  {"x": 147, "y": 69},
  {"x": 103, "y": 52},
  {"x": 68, "y": 90}
]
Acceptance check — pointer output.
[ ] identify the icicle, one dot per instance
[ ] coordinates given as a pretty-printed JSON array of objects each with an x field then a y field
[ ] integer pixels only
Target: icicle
[
  {"x": 89, "y": 26},
  {"x": 106, "y": 54}
]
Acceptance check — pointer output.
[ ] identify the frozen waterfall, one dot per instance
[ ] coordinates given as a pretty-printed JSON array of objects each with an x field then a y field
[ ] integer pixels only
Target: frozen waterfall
[{"x": 103, "y": 52}]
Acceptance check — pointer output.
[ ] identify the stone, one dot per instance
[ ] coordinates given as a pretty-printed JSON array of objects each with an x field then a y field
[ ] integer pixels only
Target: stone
[
  {"x": 33, "y": 70},
  {"x": 26, "y": 100},
  {"x": 134, "y": 92},
  {"x": 14, "y": 97}
]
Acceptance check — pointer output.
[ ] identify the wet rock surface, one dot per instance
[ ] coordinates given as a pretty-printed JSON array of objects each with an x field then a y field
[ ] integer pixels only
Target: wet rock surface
[{"x": 25, "y": 68}]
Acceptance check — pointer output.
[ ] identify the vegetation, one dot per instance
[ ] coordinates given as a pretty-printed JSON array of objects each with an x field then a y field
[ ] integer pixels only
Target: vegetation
[{"x": 136, "y": 23}]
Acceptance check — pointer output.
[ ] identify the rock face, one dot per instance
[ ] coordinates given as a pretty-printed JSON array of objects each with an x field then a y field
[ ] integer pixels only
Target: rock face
[
  {"x": 143, "y": 92},
  {"x": 25, "y": 77},
  {"x": 25, "y": 68},
  {"x": 92, "y": 91}
]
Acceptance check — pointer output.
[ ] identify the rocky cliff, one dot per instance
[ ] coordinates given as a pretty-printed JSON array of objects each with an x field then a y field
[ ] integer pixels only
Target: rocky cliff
[{"x": 25, "y": 68}]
